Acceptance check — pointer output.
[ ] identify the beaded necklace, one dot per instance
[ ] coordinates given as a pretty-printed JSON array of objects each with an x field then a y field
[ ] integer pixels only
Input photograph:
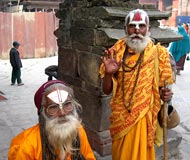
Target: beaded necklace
[{"x": 127, "y": 68}]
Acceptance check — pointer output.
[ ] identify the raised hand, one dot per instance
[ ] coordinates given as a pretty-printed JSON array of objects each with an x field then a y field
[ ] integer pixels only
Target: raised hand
[{"x": 110, "y": 61}]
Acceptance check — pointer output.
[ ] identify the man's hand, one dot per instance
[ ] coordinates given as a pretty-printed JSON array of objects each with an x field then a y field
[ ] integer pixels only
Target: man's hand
[
  {"x": 166, "y": 94},
  {"x": 110, "y": 61}
]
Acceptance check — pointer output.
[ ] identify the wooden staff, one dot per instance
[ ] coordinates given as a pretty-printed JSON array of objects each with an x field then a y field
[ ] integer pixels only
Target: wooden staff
[{"x": 165, "y": 137}]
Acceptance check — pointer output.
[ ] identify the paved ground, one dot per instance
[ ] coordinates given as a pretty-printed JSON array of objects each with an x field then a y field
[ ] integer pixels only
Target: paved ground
[
  {"x": 181, "y": 101},
  {"x": 18, "y": 112}
]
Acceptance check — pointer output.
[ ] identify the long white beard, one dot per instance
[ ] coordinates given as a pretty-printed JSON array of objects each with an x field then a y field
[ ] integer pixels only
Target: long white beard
[
  {"x": 61, "y": 134},
  {"x": 138, "y": 45}
]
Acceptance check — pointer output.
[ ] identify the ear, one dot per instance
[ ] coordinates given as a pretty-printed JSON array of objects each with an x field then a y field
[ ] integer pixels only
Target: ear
[
  {"x": 125, "y": 29},
  {"x": 149, "y": 27}
]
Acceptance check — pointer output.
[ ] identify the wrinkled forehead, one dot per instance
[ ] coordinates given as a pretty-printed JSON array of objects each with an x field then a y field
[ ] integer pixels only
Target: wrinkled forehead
[{"x": 137, "y": 17}]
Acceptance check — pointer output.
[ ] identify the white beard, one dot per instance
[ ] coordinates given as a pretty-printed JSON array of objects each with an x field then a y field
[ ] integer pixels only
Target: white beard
[
  {"x": 138, "y": 45},
  {"x": 61, "y": 134}
]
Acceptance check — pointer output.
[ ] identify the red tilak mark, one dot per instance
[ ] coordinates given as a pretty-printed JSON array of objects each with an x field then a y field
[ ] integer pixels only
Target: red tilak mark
[{"x": 137, "y": 17}]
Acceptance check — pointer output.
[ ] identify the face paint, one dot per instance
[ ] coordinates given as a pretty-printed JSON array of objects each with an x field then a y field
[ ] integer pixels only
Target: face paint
[
  {"x": 137, "y": 18},
  {"x": 58, "y": 96}
]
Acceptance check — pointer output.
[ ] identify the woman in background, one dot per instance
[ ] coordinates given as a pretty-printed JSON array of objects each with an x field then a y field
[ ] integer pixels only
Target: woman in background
[{"x": 180, "y": 49}]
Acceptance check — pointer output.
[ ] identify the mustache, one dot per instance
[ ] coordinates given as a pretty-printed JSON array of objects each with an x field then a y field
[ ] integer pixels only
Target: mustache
[
  {"x": 65, "y": 118},
  {"x": 136, "y": 36}
]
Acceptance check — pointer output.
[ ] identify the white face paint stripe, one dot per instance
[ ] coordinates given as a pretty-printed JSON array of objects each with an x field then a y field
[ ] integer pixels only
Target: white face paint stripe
[
  {"x": 137, "y": 23},
  {"x": 58, "y": 96}
]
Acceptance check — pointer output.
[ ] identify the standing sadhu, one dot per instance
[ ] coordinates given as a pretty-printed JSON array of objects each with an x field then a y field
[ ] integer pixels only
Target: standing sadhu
[{"x": 129, "y": 72}]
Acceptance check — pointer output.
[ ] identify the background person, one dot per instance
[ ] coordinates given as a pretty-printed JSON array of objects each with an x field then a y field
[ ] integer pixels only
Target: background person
[
  {"x": 59, "y": 134},
  {"x": 16, "y": 64},
  {"x": 129, "y": 73},
  {"x": 180, "y": 49}
]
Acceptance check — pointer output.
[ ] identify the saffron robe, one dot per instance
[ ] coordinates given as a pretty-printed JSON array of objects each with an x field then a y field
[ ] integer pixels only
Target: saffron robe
[
  {"x": 133, "y": 133},
  {"x": 27, "y": 145}
]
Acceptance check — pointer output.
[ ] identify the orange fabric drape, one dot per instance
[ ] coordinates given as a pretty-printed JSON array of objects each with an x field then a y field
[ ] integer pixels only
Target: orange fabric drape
[
  {"x": 27, "y": 145},
  {"x": 133, "y": 145}
]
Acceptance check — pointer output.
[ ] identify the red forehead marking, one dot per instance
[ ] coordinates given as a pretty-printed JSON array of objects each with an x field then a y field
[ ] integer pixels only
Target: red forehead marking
[{"x": 137, "y": 17}]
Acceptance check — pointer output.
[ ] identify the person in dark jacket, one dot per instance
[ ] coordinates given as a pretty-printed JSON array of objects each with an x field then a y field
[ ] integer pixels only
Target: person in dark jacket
[{"x": 16, "y": 64}]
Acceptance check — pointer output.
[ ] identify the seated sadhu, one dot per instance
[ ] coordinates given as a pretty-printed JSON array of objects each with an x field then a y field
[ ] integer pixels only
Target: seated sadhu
[{"x": 59, "y": 135}]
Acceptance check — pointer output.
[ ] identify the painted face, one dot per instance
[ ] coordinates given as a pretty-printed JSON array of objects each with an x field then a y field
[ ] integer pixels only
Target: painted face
[
  {"x": 137, "y": 18},
  {"x": 58, "y": 103},
  {"x": 137, "y": 22}
]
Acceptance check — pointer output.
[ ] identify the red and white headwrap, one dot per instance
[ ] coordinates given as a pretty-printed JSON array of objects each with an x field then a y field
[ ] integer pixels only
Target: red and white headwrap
[{"x": 137, "y": 16}]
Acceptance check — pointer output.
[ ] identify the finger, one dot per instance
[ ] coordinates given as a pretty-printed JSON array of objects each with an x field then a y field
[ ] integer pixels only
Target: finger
[
  {"x": 114, "y": 54},
  {"x": 106, "y": 53},
  {"x": 109, "y": 53},
  {"x": 103, "y": 58}
]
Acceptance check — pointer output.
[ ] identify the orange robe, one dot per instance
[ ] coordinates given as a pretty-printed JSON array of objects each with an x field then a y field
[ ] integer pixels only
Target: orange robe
[
  {"x": 133, "y": 133},
  {"x": 27, "y": 145}
]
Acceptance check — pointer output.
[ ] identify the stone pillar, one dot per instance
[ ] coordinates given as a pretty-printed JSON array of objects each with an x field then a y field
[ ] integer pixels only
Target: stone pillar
[{"x": 80, "y": 47}]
